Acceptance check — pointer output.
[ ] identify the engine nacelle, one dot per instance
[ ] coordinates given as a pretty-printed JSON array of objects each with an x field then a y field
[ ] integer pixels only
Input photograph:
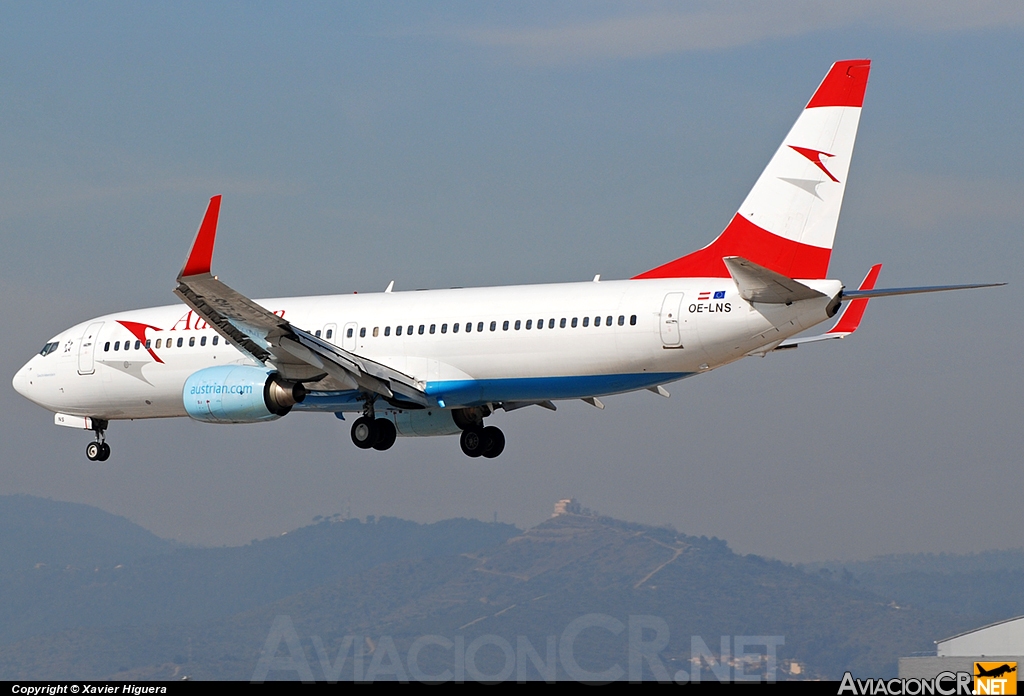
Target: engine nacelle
[
  {"x": 239, "y": 394},
  {"x": 423, "y": 423}
]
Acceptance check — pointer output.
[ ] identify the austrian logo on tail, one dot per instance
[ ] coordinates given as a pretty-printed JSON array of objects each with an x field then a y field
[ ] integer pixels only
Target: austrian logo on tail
[{"x": 815, "y": 157}]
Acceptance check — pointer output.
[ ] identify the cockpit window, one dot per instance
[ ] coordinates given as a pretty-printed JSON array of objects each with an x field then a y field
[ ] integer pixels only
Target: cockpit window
[{"x": 49, "y": 348}]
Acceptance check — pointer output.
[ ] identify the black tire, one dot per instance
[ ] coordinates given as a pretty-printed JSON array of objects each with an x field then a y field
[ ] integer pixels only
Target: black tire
[
  {"x": 104, "y": 452},
  {"x": 386, "y": 434},
  {"x": 364, "y": 432},
  {"x": 473, "y": 442},
  {"x": 495, "y": 442},
  {"x": 92, "y": 451}
]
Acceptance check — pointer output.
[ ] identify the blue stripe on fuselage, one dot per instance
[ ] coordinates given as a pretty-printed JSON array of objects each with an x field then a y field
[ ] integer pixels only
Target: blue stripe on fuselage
[{"x": 474, "y": 392}]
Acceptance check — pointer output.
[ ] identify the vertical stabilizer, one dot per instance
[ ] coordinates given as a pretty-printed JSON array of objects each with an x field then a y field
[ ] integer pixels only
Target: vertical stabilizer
[{"x": 788, "y": 221}]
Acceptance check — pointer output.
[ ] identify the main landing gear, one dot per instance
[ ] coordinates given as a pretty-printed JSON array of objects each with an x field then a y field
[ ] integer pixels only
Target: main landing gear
[
  {"x": 98, "y": 451},
  {"x": 486, "y": 442},
  {"x": 476, "y": 439},
  {"x": 369, "y": 432}
]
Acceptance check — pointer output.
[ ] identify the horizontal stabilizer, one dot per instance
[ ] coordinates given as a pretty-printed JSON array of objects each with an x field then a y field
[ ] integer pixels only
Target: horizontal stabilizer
[
  {"x": 890, "y": 292},
  {"x": 849, "y": 319},
  {"x": 759, "y": 284}
]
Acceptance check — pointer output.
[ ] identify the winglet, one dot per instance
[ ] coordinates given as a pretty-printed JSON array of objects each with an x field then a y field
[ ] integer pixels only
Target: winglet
[
  {"x": 854, "y": 312},
  {"x": 200, "y": 255}
]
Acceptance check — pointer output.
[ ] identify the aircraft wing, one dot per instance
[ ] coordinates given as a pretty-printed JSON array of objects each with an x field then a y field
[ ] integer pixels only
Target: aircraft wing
[
  {"x": 849, "y": 319},
  {"x": 298, "y": 355}
]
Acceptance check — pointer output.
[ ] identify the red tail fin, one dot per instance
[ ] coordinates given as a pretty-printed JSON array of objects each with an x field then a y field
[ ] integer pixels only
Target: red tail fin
[{"x": 788, "y": 221}]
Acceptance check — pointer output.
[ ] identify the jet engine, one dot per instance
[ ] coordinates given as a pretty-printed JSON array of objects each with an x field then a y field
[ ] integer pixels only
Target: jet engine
[{"x": 239, "y": 394}]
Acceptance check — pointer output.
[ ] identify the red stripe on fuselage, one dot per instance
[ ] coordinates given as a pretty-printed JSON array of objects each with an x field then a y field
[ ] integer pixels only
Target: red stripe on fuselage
[
  {"x": 744, "y": 238},
  {"x": 139, "y": 331}
]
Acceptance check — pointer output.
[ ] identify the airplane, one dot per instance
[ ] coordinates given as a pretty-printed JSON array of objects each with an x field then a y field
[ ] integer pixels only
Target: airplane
[
  {"x": 439, "y": 362},
  {"x": 994, "y": 672}
]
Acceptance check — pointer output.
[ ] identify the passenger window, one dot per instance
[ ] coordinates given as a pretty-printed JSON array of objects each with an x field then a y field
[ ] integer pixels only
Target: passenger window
[
  {"x": 444, "y": 328},
  {"x": 421, "y": 329},
  {"x": 540, "y": 324},
  {"x": 387, "y": 330},
  {"x": 117, "y": 345},
  {"x": 517, "y": 324},
  {"x": 376, "y": 331},
  {"x": 632, "y": 320},
  {"x": 504, "y": 325},
  {"x": 148, "y": 341},
  {"x": 455, "y": 327},
  {"x": 180, "y": 342},
  {"x": 158, "y": 342},
  {"x": 216, "y": 339},
  {"x": 348, "y": 333},
  {"x": 622, "y": 320},
  {"x": 597, "y": 321},
  {"x": 494, "y": 325},
  {"x": 480, "y": 326},
  {"x": 469, "y": 326},
  {"x": 202, "y": 341},
  {"x": 529, "y": 324},
  {"x": 608, "y": 321},
  {"x": 362, "y": 332},
  {"x": 317, "y": 333},
  {"x": 106, "y": 346},
  {"x": 586, "y": 322},
  {"x": 433, "y": 327},
  {"x": 408, "y": 330},
  {"x": 574, "y": 322},
  {"x": 398, "y": 330},
  {"x": 191, "y": 341},
  {"x": 561, "y": 324},
  {"x": 330, "y": 333}
]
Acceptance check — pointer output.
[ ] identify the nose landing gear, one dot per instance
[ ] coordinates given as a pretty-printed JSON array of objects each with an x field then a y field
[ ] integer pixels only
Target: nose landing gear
[{"x": 98, "y": 451}]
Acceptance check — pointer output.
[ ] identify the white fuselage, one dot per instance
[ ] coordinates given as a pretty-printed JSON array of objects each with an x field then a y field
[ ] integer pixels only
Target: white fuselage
[{"x": 597, "y": 338}]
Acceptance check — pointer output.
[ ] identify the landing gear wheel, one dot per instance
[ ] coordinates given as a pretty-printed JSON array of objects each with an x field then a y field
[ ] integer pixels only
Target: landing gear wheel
[
  {"x": 104, "y": 452},
  {"x": 473, "y": 442},
  {"x": 386, "y": 434},
  {"x": 92, "y": 451},
  {"x": 364, "y": 432},
  {"x": 494, "y": 442}
]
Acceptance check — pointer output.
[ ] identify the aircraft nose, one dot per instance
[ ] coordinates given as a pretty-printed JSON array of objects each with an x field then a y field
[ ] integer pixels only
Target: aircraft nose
[{"x": 22, "y": 381}]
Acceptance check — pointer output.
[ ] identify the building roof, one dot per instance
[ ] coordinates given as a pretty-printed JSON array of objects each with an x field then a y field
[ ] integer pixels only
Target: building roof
[{"x": 1004, "y": 637}]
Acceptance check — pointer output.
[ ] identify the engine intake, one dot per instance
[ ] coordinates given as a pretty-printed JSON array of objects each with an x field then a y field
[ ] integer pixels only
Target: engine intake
[{"x": 239, "y": 394}]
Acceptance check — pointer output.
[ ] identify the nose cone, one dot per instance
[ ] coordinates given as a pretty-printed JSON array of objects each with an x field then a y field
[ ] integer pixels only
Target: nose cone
[{"x": 22, "y": 381}]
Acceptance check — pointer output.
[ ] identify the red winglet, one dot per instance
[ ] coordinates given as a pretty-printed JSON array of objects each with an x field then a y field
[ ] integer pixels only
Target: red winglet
[
  {"x": 200, "y": 255},
  {"x": 850, "y": 320},
  {"x": 844, "y": 85}
]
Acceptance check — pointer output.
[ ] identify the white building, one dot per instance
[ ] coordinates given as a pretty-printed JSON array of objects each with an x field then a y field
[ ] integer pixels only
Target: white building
[{"x": 1002, "y": 641}]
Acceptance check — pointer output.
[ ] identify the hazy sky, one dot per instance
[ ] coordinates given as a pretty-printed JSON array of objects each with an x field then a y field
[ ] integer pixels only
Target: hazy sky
[{"x": 480, "y": 144}]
